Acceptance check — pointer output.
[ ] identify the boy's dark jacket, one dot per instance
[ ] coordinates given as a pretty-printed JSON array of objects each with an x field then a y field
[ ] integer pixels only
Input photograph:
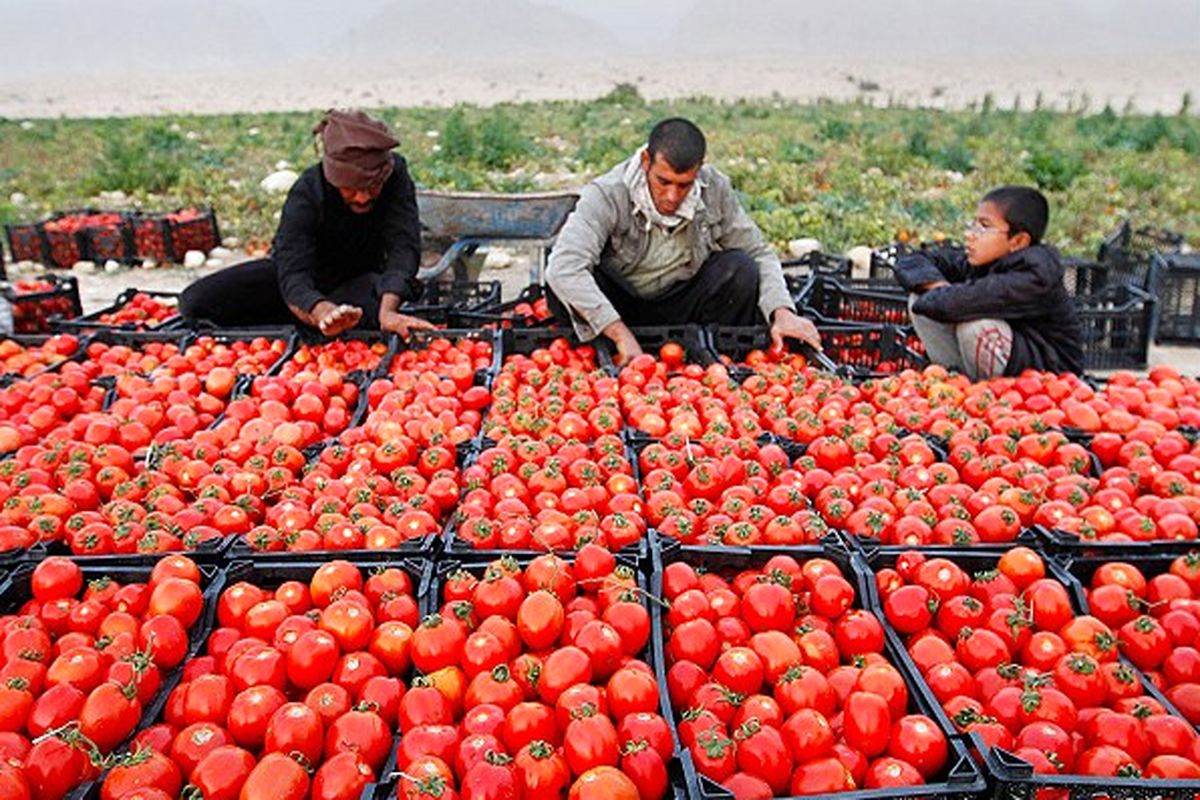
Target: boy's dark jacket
[{"x": 1024, "y": 288}]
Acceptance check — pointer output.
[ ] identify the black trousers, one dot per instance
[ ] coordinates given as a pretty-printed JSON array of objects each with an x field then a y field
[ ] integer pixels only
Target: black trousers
[
  {"x": 724, "y": 291},
  {"x": 248, "y": 294}
]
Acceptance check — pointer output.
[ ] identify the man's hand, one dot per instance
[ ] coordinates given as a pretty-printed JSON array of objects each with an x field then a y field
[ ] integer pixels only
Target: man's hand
[
  {"x": 792, "y": 326},
  {"x": 333, "y": 319},
  {"x": 402, "y": 324},
  {"x": 625, "y": 342}
]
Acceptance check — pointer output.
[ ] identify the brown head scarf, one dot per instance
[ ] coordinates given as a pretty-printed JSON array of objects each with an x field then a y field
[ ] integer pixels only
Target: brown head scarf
[{"x": 357, "y": 149}]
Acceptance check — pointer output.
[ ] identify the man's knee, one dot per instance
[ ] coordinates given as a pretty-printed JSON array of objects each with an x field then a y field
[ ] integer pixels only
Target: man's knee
[
  {"x": 193, "y": 302},
  {"x": 986, "y": 346},
  {"x": 737, "y": 271}
]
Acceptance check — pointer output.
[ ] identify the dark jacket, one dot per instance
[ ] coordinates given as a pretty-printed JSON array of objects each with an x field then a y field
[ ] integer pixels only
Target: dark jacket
[
  {"x": 1025, "y": 289},
  {"x": 321, "y": 243}
]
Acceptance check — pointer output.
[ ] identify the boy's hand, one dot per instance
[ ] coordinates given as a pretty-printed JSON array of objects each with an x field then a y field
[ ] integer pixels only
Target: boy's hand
[{"x": 935, "y": 285}]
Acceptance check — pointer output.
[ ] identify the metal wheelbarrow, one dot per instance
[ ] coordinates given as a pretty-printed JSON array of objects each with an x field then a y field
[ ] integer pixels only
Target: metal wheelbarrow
[{"x": 462, "y": 222}]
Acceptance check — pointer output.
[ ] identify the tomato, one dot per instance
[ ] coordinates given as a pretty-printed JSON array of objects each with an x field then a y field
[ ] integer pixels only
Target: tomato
[
  {"x": 590, "y": 741},
  {"x": 56, "y": 578},
  {"x": 362, "y": 732},
  {"x": 109, "y": 714},
  {"x": 541, "y": 770},
  {"x": 146, "y": 769},
  {"x": 867, "y": 723},
  {"x": 603, "y": 783},
  {"x": 916, "y": 740},
  {"x": 222, "y": 772},
  {"x": 341, "y": 777},
  {"x": 276, "y": 777}
]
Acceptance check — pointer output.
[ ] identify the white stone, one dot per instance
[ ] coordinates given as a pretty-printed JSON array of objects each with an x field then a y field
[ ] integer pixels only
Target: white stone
[
  {"x": 26, "y": 125},
  {"x": 802, "y": 247},
  {"x": 497, "y": 259},
  {"x": 150, "y": 263},
  {"x": 193, "y": 259},
  {"x": 234, "y": 183},
  {"x": 232, "y": 242},
  {"x": 214, "y": 262},
  {"x": 437, "y": 148},
  {"x": 24, "y": 266},
  {"x": 433, "y": 134},
  {"x": 83, "y": 266},
  {"x": 278, "y": 182},
  {"x": 220, "y": 252},
  {"x": 954, "y": 176},
  {"x": 283, "y": 163},
  {"x": 191, "y": 136},
  {"x": 112, "y": 265},
  {"x": 860, "y": 259},
  {"x": 175, "y": 127},
  {"x": 116, "y": 196},
  {"x": 253, "y": 132},
  {"x": 17, "y": 198}
]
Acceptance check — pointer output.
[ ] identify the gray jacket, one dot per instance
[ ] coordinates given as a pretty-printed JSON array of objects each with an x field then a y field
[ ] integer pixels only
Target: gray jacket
[{"x": 605, "y": 227}]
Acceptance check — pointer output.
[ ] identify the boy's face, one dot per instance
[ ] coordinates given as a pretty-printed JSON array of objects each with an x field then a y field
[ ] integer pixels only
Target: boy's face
[{"x": 988, "y": 237}]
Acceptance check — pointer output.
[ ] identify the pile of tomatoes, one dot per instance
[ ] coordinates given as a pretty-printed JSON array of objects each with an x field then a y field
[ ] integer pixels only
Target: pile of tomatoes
[
  {"x": 782, "y": 685},
  {"x": 1011, "y": 660},
  {"x": 554, "y": 494},
  {"x": 27, "y": 360},
  {"x": 141, "y": 311},
  {"x": 1156, "y": 619},
  {"x": 36, "y": 302},
  {"x": 299, "y": 689},
  {"x": 81, "y": 662},
  {"x": 535, "y": 686}
]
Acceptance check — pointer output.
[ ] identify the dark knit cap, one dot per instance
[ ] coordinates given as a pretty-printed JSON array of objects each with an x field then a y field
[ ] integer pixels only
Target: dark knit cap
[{"x": 357, "y": 149}]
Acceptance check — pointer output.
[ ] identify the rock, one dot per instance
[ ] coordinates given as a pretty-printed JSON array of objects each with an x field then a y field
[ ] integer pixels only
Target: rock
[
  {"x": 432, "y": 134},
  {"x": 954, "y": 176},
  {"x": 83, "y": 266},
  {"x": 112, "y": 265},
  {"x": 802, "y": 247},
  {"x": 150, "y": 263},
  {"x": 116, "y": 196},
  {"x": 214, "y": 262},
  {"x": 191, "y": 136},
  {"x": 253, "y": 132},
  {"x": 279, "y": 181},
  {"x": 283, "y": 163},
  {"x": 220, "y": 252},
  {"x": 193, "y": 259},
  {"x": 26, "y": 125},
  {"x": 232, "y": 242},
  {"x": 860, "y": 259},
  {"x": 23, "y": 266},
  {"x": 17, "y": 198},
  {"x": 497, "y": 259}
]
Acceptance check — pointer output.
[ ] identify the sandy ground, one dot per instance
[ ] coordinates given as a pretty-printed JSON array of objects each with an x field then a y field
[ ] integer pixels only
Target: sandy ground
[{"x": 1150, "y": 83}]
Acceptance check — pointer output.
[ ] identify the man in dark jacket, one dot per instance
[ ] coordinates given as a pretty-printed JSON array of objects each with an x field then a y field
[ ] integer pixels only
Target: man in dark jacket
[
  {"x": 347, "y": 248},
  {"x": 1000, "y": 307}
]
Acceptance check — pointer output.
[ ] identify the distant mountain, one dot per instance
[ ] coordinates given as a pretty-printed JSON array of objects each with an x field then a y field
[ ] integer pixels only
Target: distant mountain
[{"x": 859, "y": 28}]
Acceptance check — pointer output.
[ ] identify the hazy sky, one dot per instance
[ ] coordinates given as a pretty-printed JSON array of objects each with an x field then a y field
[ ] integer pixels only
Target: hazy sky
[{"x": 81, "y": 37}]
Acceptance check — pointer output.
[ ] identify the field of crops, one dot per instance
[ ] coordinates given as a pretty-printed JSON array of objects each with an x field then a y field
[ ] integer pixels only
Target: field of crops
[{"x": 846, "y": 174}]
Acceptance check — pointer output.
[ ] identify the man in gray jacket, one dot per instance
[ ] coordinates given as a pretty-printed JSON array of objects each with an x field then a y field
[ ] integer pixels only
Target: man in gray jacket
[{"x": 661, "y": 239}]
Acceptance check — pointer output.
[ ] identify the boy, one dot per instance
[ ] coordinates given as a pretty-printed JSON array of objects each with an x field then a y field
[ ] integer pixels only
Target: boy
[{"x": 999, "y": 308}]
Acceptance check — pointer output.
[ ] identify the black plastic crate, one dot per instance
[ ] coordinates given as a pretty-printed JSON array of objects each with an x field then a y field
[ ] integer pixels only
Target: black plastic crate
[
  {"x": 872, "y": 300},
  {"x": 504, "y": 315},
  {"x": 111, "y": 242},
  {"x": 871, "y": 350},
  {"x": 458, "y": 295},
  {"x": 1066, "y": 544},
  {"x": 1178, "y": 278},
  {"x": 1129, "y": 253},
  {"x": 152, "y": 238},
  {"x": 737, "y": 343},
  {"x": 523, "y": 341},
  {"x": 35, "y": 311},
  {"x": 26, "y": 242},
  {"x": 959, "y": 779},
  {"x": 91, "y": 322},
  {"x": 691, "y": 337},
  {"x": 420, "y": 339},
  {"x": 198, "y": 232},
  {"x": 883, "y": 259},
  {"x": 818, "y": 262},
  {"x": 1118, "y": 325},
  {"x": 189, "y": 336},
  {"x": 1010, "y": 776},
  {"x": 65, "y": 247}
]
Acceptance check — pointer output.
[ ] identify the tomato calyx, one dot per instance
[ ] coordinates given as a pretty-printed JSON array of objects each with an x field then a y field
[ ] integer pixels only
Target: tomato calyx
[
  {"x": 497, "y": 759},
  {"x": 714, "y": 744},
  {"x": 747, "y": 729}
]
